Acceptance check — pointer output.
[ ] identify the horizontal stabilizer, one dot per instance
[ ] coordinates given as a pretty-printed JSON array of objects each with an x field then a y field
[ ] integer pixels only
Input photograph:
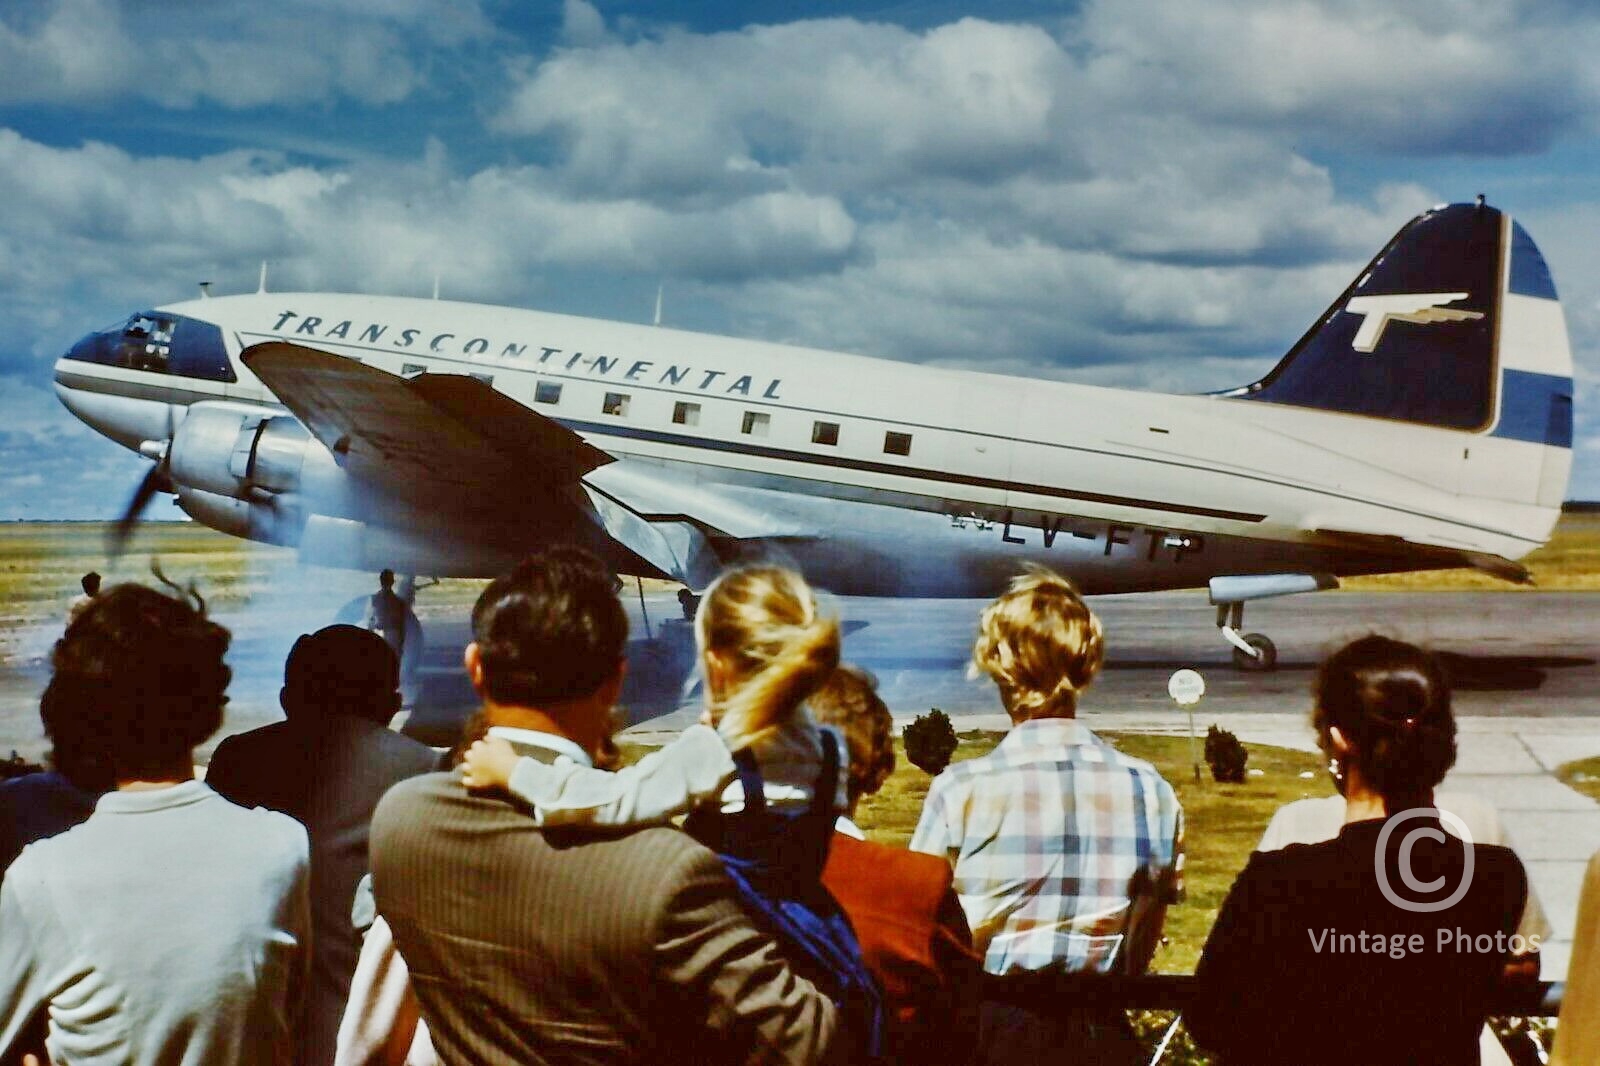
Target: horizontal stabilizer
[{"x": 1429, "y": 556}]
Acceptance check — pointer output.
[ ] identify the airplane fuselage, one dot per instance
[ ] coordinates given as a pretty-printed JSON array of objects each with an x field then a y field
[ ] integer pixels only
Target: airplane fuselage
[
  {"x": 898, "y": 479},
  {"x": 1420, "y": 428}
]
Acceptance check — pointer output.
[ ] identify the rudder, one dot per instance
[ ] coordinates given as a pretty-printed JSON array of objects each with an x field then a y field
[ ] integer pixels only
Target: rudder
[{"x": 1455, "y": 325}]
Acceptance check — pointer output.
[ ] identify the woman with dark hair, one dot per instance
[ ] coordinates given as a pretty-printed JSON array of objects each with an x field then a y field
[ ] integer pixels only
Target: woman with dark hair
[
  {"x": 171, "y": 926},
  {"x": 1383, "y": 945}
]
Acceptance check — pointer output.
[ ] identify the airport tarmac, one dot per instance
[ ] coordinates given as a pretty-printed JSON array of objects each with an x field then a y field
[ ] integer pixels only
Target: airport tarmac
[
  {"x": 1528, "y": 655},
  {"x": 1526, "y": 667}
]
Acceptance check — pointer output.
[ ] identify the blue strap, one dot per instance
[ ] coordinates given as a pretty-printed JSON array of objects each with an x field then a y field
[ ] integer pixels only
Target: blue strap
[
  {"x": 755, "y": 794},
  {"x": 828, "y": 780}
]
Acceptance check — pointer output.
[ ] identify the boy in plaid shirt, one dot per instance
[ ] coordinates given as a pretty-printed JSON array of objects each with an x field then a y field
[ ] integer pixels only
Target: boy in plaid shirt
[{"x": 1065, "y": 851}]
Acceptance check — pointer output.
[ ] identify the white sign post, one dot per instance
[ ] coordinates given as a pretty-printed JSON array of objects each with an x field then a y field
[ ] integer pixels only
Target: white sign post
[{"x": 1186, "y": 687}]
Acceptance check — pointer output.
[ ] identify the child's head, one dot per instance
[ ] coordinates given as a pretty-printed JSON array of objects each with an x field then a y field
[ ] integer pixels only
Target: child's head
[
  {"x": 1040, "y": 644},
  {"x": 764, "y": 648},
  {"x": 849, "y": 701}
]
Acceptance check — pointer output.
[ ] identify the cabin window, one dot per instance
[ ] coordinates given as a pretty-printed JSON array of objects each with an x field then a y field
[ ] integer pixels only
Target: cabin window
[
  {"x": 616, "y": 404},
  {"x": 411, "y": 370},
  {"x": 824, "y": 433},
  {"x": 487, "y": 379},
  {"x": 685, "y": 413},
  {"x": 547, "y": 392},
  {"x": 896, "y": 443},
  {"x": 756, "y": 424}
]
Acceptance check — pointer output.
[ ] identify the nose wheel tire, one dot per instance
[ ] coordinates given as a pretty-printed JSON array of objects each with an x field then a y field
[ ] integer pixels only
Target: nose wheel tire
[{"x": 1268, "y": 659}]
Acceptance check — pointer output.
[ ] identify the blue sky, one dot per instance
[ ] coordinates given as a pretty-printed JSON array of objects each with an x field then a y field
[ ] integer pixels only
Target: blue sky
[{"x": 1141, "y": 193}]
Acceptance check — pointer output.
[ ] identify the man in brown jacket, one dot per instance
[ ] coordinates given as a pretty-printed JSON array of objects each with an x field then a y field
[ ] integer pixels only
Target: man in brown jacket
[{"x": 534, "y": 945}]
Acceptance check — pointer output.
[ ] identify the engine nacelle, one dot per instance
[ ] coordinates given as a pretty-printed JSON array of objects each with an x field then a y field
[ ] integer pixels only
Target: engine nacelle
[
  {"x": 275, "y": 520},
  {"x": 244, "y": 453}
]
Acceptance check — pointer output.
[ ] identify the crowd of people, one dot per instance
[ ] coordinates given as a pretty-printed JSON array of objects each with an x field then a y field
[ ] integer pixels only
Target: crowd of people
[{"x": 333, "y": 892}]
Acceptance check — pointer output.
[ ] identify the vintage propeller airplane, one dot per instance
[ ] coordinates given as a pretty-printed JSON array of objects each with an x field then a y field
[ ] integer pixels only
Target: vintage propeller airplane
[{"x": 1424, "y": 421}]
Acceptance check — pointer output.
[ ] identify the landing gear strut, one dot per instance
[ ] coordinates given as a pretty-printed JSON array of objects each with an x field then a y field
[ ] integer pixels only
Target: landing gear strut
[{"x": 1251, "y": 651}]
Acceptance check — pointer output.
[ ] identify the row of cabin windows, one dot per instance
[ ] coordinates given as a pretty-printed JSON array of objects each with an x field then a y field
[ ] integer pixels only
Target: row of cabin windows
[{"x": 754, "y": 423}]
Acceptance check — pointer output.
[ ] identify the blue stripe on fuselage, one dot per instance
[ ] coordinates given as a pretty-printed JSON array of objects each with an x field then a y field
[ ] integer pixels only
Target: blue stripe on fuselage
[{"x": 1535, "y": 407}]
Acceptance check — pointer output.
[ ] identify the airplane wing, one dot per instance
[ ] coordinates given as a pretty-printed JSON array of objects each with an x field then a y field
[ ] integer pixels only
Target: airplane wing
[
  {"x": 419, "y": 439},
  {"x": 1430, "y": 556},
  {"x": 441, "y": 441}
]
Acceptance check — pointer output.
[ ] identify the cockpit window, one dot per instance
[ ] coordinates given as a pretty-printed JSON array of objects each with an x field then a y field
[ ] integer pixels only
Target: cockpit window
[
  {"x": 162, "y": 344},
  {"x": 147, "y": 343}
]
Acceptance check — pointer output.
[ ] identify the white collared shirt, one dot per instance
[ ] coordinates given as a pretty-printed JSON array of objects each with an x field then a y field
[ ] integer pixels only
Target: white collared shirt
[{"x": 533, "y": 738}]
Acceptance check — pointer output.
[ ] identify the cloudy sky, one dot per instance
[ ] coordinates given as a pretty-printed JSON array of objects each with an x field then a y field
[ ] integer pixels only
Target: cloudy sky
[{"x": 1144, "y": 193}]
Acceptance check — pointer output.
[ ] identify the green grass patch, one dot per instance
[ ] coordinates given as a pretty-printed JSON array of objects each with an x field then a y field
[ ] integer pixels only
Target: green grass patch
[{"x": 1582, "y": 776}]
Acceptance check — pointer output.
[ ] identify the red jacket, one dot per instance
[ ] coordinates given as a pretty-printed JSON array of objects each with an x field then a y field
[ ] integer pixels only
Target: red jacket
[{"x": 915, "y": 940}]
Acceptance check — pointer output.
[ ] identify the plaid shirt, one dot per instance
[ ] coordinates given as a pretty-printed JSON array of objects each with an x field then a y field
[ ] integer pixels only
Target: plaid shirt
[{"x": 1050, "y": 835}]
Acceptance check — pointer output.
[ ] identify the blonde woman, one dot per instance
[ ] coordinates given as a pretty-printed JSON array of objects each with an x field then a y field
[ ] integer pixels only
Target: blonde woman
[
  {"x": 1065, "y": 851},
  {"x": 761, "y": 782}
]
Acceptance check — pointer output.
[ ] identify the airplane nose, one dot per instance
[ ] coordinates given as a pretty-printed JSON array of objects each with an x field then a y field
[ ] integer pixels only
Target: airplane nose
[{"x": 110, "y": 406}]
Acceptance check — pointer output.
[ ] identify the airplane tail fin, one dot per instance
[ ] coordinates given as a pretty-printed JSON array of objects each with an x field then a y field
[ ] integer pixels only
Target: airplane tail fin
[{"x": 1454, "y": 325}]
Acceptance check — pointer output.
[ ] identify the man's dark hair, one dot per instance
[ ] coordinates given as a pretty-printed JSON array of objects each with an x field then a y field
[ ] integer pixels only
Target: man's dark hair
[
  {"x": 91, "y": 584},
  {"x": 386, "y": 578},
  {"x": 552, "y": 630},
  {"x": 341, "y": 669},
  {"x": 137, "y": 681}
]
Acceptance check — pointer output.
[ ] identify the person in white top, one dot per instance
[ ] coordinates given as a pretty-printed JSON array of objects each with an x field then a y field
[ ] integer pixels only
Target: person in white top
[{"x": 172, "y": 926}]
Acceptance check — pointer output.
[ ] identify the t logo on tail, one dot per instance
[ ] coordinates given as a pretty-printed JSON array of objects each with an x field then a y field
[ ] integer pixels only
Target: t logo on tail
[{"x": 1422, "y": 308}]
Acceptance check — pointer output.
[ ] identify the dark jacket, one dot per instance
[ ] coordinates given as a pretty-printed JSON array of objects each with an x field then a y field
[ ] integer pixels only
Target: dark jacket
[
  {"x": 328, "y": 776},
  {"x": 537, "y": 945},
  {"x": 1287, "y": 977}
]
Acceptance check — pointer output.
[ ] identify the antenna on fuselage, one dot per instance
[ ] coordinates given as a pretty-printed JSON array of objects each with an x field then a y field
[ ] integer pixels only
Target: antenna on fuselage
[
  {"x": 435, "y": 284},
  {"x": 205, "y": 290},
  {"x": 262, "y": 286},
  {"x": 659, "y": 289}
]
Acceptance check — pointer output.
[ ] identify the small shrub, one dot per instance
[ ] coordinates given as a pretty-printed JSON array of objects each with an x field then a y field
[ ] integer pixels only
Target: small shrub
[
  {"x": 930, "y": 741},
  {"x": 1226, "y": 756}
]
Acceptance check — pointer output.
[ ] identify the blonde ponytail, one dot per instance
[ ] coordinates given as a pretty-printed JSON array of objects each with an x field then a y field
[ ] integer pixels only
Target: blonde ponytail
[{"x": 762, "y": 626}]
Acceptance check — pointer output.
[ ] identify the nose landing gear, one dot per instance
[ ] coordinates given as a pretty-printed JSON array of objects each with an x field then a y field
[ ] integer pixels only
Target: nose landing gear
[{"x": 1252, "y": 652}]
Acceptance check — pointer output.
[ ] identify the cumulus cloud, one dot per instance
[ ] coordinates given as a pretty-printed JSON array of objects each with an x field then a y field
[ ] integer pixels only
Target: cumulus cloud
[
  {"x": 1136, "y": 195},
  {"x": 234, "y": 53},
  {"x": 1443, "y": 76}
]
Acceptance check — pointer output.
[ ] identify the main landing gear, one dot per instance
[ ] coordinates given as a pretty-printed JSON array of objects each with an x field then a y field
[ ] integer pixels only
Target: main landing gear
[{"x": 1252, "y": 652}]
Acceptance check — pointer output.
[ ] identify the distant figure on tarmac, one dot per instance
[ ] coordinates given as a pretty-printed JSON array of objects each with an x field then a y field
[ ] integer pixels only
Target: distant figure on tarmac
[
  {"x": 91, "y": 589},
  {"x": 690, "y": 603},
  {"x": 386, "y": 614}
]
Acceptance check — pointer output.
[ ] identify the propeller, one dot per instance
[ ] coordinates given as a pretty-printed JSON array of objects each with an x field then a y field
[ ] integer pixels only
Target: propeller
[{"x": 154, "y": 482}]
